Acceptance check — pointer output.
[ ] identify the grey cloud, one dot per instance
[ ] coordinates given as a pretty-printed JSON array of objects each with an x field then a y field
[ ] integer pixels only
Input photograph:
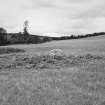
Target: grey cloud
[
  {"x": 93, "y": 13},
  {"x": 90, "y": 10},
  {"x": 37, "y": 4},
  {"x": 54, "y": 15}
]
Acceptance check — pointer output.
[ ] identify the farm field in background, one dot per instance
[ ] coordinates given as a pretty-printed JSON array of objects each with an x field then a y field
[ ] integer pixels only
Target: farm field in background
[
  {"x": 34, "y": 77},
  {"x": 77, "y": 46}
]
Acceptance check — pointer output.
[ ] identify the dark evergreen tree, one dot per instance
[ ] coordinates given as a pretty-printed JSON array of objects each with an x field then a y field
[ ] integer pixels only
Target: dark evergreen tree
[{"x": 3, "y": 36}]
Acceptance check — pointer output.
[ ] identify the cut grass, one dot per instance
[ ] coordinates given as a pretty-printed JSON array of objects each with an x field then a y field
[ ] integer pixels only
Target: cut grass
[
  {"x": 88, "y": 62},
  {"x": 49, "y": 62}
]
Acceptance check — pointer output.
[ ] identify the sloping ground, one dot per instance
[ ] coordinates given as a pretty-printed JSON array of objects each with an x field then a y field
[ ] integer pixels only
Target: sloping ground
[
  {"x": 94, "y": 45},
  {"x": 36, "y": 78}
]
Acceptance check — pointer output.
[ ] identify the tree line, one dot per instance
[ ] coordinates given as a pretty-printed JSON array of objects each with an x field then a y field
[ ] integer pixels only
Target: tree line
[
  {"x": 25, "y": 37},
  {"x": 21, "y": 38},
  {"x": 78, "y": 36}
]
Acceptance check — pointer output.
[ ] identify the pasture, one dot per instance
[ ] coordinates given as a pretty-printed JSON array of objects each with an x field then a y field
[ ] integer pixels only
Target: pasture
[
  {"x": 34, "y": 77},
  {"x": 95, "y": 45}
]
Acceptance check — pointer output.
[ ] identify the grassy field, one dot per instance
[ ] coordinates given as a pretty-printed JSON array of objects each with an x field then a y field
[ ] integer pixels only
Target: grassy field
[
  {"x": 80, "y": 46},
  {"x": 35, "y": 77}
]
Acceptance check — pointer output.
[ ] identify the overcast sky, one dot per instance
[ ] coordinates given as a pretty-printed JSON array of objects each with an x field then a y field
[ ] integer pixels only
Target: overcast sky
[{"x": 53, "y": 16}]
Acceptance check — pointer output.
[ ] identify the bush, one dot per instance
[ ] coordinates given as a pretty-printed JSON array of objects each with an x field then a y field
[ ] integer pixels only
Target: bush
[{"x": 57, "y": 54}]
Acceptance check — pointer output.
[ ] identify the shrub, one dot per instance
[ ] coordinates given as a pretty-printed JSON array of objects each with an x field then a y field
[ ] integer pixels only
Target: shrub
[{"x": 57, "y": 54}]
